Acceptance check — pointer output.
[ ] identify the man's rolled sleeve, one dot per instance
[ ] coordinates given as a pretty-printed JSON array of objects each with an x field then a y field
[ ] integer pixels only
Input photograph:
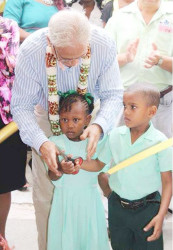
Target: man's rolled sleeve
[{"x": 25, "y": 94}]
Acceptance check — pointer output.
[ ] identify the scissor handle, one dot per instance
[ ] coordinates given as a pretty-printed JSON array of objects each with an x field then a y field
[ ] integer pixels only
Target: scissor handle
[{"x": 80, "y": 159}]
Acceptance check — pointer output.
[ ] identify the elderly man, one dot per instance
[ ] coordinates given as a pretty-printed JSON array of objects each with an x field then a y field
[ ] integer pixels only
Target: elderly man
[
  {"x": 68, "y": 55},
  {"x": 143, "y": 32}
]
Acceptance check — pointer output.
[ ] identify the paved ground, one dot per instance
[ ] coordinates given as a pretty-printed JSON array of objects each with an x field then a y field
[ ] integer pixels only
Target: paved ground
[{"x": 21, "y": 227}]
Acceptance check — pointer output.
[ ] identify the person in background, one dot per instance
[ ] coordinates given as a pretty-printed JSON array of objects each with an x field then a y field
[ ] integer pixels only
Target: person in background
[
  {"x": 92, "y": 9},
  {"x": 136, "y": 210},
  {"x": 111, "y": 7},
  {"x": 66, "y": 55},
  {"x": 77, "y": 211},
  {"x": 31, "y": 15},
  {"x": 143, "y": 32},
  {"x": 12, "y": 150}
]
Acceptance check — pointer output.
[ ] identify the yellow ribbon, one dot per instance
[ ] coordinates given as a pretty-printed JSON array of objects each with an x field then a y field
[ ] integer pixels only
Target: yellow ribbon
[
  {"x": 2, "y": 5},
  {"x": 7, "y": 131},
  {"x": 142, "y": 155}
]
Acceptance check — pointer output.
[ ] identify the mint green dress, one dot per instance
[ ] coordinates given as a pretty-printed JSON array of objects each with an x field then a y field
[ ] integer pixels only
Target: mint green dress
[{"x": 77, "y": 219}]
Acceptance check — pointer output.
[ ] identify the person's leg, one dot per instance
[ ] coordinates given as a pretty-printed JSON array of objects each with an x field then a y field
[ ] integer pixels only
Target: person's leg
[
  {"x": 42, "y": 186},
  {"x": 142, "y": 217},
  {"x": 5, "y": 202},
  {"x": 42, "y": 197},
  {"x": 121, "y": 235}
]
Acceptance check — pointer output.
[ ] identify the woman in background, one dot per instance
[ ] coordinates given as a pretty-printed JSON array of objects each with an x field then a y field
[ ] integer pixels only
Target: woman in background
[
  {"x": 31, "y": 15},
  {"x": 12, "y": 151},
  {"x": 91, "y": 8}
]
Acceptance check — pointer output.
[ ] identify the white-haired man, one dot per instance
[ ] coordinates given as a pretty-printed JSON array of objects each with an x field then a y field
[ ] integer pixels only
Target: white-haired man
[{"x": 68, "y": 55}]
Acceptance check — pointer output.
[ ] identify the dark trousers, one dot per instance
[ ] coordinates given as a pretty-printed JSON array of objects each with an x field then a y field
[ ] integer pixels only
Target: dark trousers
[{"x": 126, "y": 225}]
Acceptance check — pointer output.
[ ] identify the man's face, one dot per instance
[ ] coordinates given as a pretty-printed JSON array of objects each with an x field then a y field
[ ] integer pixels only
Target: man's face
[
  {"x": 151, "y": 2},
  {"x": 70, "y": 56}
]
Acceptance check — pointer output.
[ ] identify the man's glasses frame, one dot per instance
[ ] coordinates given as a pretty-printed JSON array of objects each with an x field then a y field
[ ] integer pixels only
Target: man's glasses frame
[{"x": 65, "y": 60}]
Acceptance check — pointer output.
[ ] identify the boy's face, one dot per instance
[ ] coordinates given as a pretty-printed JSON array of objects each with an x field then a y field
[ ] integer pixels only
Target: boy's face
[
  {"x": 136, "y": 112},
  {"x": 73, "y": 122}
]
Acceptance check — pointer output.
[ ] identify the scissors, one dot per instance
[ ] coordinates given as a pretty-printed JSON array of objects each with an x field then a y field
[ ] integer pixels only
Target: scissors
[{"x": 67, "y": 158}]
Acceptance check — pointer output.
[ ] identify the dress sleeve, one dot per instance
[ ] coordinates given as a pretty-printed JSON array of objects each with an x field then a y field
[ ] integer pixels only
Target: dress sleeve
[{"x": 14, "y": 10}]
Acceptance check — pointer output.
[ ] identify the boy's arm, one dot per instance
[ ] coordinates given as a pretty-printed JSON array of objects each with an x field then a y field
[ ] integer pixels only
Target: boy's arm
[
  {"x": 157, "y": 221},
  {"x": 92, "y": 165}
]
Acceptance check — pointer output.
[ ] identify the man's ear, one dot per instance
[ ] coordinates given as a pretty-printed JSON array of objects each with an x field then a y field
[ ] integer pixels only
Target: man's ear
[
  {"x": 48, "y": 40},
  {"x": 88, "y": 119},
  {"x": 152, "y": 111}
]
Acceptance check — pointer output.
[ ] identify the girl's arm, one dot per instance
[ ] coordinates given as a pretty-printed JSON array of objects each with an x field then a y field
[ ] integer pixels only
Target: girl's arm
[
  {"x": 157, "y": 221},
  {"x": 92, "y": 165}
]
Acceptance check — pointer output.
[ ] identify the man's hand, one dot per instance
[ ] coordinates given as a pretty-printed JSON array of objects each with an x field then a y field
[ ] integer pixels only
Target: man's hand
[
  {"x": 131, "y": 51},
  {"x": 93, "y": 132},
  {"x": 49, "y": 153},
  {"x": 157, "y": 223},
  {"x": 129, "y": 55},
  {"x": 153, "y": 58}
]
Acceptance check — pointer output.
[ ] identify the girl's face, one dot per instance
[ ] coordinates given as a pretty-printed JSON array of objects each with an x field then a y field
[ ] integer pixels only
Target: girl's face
[{"x": 73, "y": 122}]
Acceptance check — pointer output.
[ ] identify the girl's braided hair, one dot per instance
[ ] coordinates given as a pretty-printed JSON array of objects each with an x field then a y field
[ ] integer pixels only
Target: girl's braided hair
[{"x": 70, "y": 97}]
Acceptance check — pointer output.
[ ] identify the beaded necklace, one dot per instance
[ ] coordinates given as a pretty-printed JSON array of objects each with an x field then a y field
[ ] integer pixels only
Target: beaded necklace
[{"x": 53, "y": 97}]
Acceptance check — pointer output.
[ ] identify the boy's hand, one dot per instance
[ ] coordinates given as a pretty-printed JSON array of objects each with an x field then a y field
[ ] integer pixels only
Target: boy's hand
[{"x": 157, "y": 223}]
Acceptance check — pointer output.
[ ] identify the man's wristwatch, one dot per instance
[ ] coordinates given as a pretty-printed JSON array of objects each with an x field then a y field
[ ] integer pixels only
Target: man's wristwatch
[{"x": 160, "y": 61}]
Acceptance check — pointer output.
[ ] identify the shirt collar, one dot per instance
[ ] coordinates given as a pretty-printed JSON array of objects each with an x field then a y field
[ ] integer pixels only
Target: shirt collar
[
  {"x": 147, "y": 135},
  {"x": 133, "y": 8}
]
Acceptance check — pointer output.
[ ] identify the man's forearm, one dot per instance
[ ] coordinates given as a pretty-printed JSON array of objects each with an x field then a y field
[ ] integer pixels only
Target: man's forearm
[
  {"x": 167, "y": 63},
  {"x": 122, "y": 59},
  {"x": 30, "y": 132}
]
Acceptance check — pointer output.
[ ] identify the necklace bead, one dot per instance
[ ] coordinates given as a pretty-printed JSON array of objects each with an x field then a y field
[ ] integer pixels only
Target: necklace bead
[{"x": 48, "y": 2}]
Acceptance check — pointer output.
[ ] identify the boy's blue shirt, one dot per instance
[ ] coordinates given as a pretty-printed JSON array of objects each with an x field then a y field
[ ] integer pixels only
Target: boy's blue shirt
[{"x": 143, "y": 177}]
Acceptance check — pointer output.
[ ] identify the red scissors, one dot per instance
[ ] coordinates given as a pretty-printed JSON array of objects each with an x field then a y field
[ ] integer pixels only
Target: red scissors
[{"x": 67, "y": 158}]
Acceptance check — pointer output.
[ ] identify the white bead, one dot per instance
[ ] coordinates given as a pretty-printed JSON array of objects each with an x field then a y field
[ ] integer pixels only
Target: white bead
[{"x": 48, "y": 2}]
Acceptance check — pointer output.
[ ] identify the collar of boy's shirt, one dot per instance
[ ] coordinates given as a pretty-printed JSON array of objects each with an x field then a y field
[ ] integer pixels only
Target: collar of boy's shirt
[{"x": 147, "y": 135}]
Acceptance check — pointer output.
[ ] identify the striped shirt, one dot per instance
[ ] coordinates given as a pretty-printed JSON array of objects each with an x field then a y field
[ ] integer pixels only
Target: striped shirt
[{"x": 30, "y": 87}]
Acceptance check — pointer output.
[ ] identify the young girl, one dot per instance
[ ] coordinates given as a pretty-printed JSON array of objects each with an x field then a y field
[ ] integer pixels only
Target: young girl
[
  {"x": 136, "y": 213},
  {"x": 77, "y": 220}
]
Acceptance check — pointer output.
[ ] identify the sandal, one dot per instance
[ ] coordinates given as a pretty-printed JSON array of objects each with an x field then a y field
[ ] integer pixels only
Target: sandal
[{"x": 25, "y": 187}]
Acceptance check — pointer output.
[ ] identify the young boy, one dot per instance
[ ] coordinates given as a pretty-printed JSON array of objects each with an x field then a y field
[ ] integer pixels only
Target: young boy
[{"x": 135, "y": 212}]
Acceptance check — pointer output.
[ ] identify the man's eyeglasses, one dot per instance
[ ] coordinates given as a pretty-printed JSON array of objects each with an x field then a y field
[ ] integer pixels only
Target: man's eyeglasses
[{"x": 65, "y": 60}]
